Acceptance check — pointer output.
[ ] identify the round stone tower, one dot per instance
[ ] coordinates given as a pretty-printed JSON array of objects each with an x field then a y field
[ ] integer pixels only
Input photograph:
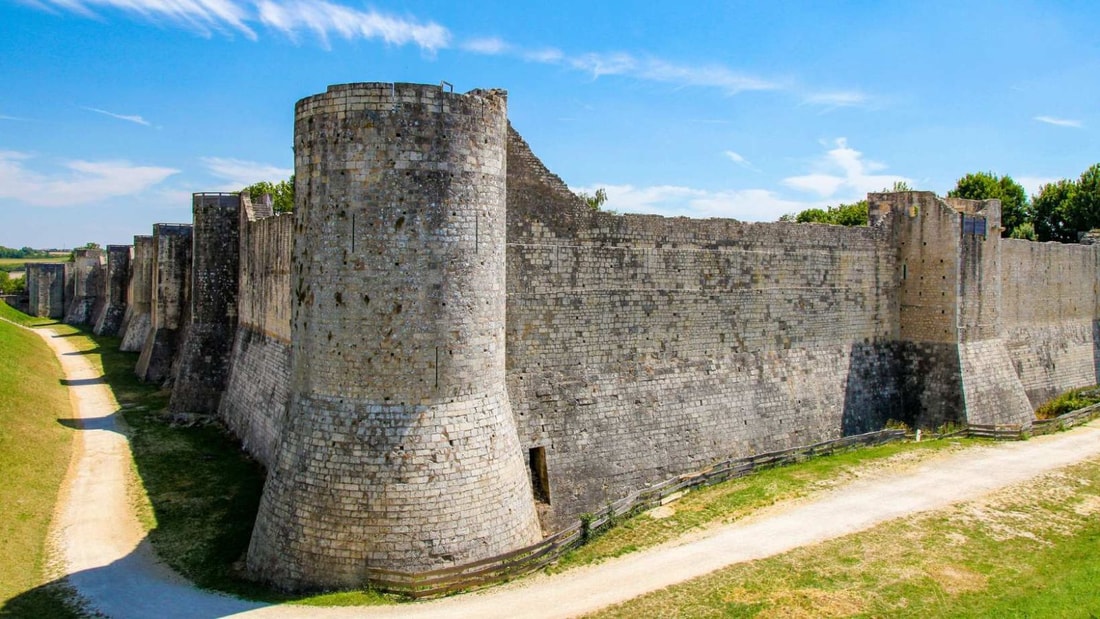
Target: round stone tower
[{"x": 399, "y": 449}]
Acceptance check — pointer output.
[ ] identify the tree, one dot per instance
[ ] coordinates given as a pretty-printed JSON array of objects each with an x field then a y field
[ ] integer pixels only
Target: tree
[
  {"x": 1015, "y": 210},
  {"x": 9, "y": 285},
  {"x": 594, "y": 201},
  {"x": 1051, "y": 212},
  {"x": 282, "y": 193},
  {"x": 854, "y": 214}
]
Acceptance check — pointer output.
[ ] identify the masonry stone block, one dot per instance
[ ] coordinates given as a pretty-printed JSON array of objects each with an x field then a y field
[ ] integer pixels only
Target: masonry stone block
[
  {"x": 116, "y": 287},
  {"x": 170, "y": 303},
  {"x": 203, "y": 364},
  {"x": 88, "y": 286},
  {"x": 139, "y": 295},
  {"x": 400, "y": 449}
]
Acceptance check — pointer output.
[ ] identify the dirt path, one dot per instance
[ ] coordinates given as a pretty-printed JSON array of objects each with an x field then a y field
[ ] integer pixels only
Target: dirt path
[{"x": 112, "y": 566}]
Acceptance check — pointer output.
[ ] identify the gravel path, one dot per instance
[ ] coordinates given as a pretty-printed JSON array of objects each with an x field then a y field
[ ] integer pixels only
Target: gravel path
[{"x": 112, "y": 566}]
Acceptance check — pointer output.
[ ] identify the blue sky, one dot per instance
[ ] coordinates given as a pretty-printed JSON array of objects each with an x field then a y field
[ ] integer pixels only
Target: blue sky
[{"x": 114, "y": 111}]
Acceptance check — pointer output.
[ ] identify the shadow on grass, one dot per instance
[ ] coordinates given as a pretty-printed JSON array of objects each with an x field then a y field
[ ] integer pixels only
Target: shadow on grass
[
  {"x": 80, "y": 382},
  {"x": 203, "y": 492}
]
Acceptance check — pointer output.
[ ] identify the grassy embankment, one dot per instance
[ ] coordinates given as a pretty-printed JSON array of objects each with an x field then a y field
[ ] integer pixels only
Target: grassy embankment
[
  {"x": 203, "y": 496},
  {"x": 1028, "y": 551},
  {"x": 34, "y": 455}
]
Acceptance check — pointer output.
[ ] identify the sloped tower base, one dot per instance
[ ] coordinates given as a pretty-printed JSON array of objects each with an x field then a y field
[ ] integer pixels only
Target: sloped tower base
[{"x": 400, "y": 449}]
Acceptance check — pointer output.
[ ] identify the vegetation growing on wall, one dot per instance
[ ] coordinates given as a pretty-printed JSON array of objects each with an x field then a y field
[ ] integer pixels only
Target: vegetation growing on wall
[
  {"x": 854, "y": 214},
  {"x": 1059, "y": 212},
  {"x": 1068, "y": 402},
  {"x": 1015, "y": 208},
  {"x": 282, "y": 193}
]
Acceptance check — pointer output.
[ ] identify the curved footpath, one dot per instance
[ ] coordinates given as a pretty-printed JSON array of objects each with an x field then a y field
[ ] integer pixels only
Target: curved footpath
[{"x": 111, "y": 564}]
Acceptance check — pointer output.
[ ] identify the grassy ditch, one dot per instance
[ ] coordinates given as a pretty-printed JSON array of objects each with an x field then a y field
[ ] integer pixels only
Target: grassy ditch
[
  {"x": 1025, "y": 551},
  {"x": 203, "y": 495},
  {"x": 198, "y": 492},
  {"x": 34, "y": 456},
  {"x": 723, "y": 503}
]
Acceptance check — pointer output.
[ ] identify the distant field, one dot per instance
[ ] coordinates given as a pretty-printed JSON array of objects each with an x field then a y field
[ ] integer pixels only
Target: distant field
[
  {"x": 15, "y": 265},
  {"x": 21, "y": 261}
]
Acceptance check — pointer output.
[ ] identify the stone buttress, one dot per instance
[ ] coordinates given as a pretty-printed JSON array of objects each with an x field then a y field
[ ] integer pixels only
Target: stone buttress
[
  {"x": 170, "y": 301},
  {"x": 400, "y": 449},
  {"x": 139, "y": 296},
  {"x": 87, "y": 282},
  {"x": 109, "y": 319},
  {"x": 203, "y": 364}
]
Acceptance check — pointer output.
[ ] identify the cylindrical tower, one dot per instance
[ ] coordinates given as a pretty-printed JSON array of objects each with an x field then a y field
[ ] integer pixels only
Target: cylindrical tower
[{"x": 400, "y": 449}]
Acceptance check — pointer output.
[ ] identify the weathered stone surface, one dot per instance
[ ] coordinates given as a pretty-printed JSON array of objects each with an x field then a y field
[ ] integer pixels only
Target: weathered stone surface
[
  {"x": 137, "y": 319},
  {"x": 257, "y": 391},
  {"x": 170, "y": 304},
  {"x": 46, "y": 289},
  {"x": 116, "y": 287},
  {"x": 203, "y": 364},
  {"x": 400, "y": 449},
  {"x": 437, "y": 324},
  {"x": 88, "y": 290}
]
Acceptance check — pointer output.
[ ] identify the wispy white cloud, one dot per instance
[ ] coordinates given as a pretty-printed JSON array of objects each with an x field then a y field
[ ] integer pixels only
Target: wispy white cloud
[
  {"x": 13, "y": 118},
  {"x": 837, "y": 98},
  {"x": 843, "y": 168},
  {"x": 658, "y": 70},
  {"x": 546, "y": 55},
  {"x": 1060, "y": 122},
  {"x": 677, "y": 201},
  {"x": 127, "y": 117},
  {"x": 239, "y": 173},
  {"x": 78, "y": 182},
  {"x": 327, "y": 18},
  {"x": 841, "y": 174},
  {"x": 739, "y": 159},
  {"x": 203, "y": 16},
  {"x": 290, "y": 17},
  {"x": 490, "y": 46}
]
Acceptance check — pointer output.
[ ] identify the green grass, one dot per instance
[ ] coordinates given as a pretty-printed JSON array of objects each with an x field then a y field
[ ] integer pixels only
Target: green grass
[
  {"x": 22, "y": 261},
  {"x": 203, "y": 495},
  {"x": 16, "y": 264},
  {"x": 34, "y": 456},
  {"x": 726, "y": 502},
  {"x": 1068, "y": 402},
  {"x": 202, "y": 490},
  {"x": 1027, "y": 551}
]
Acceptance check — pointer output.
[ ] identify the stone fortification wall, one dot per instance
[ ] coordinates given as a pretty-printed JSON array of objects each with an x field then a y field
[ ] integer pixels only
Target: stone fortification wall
[
  {"x": 925, "y": 233},
  {"x": 139, "y": 294},
  {"x": 992, "y": 392},
  {"x": 400, "y": 448},
  {"x": 46, "y": 289},
  {"x": 256, "y": 392},
  {"x": 170, "y": 302},
  {"x": 642, "y": 347},
  {"x": 1050, "y": 315},
  {"x": 87, "y": 281},
  {"x": 203, "y": 364},
  {"x": 116, "y": 287}
]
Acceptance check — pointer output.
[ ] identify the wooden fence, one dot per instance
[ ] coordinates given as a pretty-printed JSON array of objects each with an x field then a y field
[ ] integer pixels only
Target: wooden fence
[{"x": 510, "y": 565}]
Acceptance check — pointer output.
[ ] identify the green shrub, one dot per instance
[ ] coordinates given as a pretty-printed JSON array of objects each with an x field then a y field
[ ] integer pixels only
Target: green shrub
[{"x": 1068, "y": 402}]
